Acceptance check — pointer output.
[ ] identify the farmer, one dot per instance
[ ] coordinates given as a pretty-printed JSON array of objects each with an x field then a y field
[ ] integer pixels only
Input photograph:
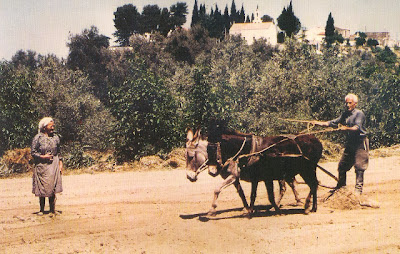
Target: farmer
[
  {"x": 46, "y": 179},
  {"x": 352, "y": 121}
]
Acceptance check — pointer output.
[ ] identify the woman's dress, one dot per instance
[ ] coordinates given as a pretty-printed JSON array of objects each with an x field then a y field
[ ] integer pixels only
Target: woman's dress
[{"x": 46, "y": 179}]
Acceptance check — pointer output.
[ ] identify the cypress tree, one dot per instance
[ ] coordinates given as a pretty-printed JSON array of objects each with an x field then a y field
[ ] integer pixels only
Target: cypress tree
[
  {"x": 234, "y": 13},
  {"x": 217, "y": 12},
  {"x": 288, "y": 22},
  {"x": 330, "y": 30},
  {"x": 165, "y": 24},
  {"x": 195, "y": 14},
  {"x": 219, "y": 22},
  {"x": 202, "y": 11},
  {"x": 242, "y": 16},
  {"x": 227, "y": 20}
]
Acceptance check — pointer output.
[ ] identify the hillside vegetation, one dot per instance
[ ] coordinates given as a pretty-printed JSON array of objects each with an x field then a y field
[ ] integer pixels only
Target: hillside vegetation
[{"x": 139, "y": 102}]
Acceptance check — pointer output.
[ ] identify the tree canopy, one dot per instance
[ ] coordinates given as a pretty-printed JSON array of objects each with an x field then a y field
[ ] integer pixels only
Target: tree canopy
[
  {"x": 266, "y": 18},
  {"x": 128, "y": 21},
  {"x": 178, "y": 14},
  {"x": 361, "y": 39},
  {"x": 138, "y": 101},
  {"x": 150, "y": 18},
  {"x": 331, "y": 35},
  {"x": 288, "y": 22},
  {"x": 87, "y": 52}
]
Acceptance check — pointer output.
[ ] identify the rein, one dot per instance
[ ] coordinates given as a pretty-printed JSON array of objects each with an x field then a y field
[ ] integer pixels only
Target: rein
[
  {"x": 241, "y": 148},
  {"x": 310, "y": 125},
  {"x": 330, "y": 129},
  {"x": 291, "y": 155},
  {"x": 202, "y": 167},
  {"x": 263, "y": 150}
]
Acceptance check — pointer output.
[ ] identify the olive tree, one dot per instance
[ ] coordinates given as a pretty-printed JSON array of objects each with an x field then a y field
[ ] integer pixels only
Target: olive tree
[
  {"x": 17, "y": 113},
  {"x": 67, "y": 96},
  {"x": 144, "y": 109}
]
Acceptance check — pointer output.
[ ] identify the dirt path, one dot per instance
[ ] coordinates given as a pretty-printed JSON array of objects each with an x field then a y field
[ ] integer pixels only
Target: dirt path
[{"x": 162, "y": 212}]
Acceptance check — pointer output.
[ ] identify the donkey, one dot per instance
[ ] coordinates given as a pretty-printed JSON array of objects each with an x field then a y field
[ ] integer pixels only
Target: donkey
[
  {"x": 196, "y": 161},
  {"x": 223, "y": 145}
]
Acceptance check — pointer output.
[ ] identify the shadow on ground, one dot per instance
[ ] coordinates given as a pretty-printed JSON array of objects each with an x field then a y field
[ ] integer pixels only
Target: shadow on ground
[{"x": 260, "y": 211}]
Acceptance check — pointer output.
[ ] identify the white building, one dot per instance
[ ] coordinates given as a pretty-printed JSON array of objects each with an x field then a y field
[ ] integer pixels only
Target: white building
[
  {"x": 256, "y": 30},
  {"x": 316, "y": 35}
]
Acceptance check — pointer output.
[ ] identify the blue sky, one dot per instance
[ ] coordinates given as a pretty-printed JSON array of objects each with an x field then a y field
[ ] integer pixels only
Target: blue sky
[{"x": 45, "y": 25}]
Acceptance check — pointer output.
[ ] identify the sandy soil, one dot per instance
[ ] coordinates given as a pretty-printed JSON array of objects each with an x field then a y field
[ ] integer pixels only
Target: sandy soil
[{"x": 162, "y": 212}]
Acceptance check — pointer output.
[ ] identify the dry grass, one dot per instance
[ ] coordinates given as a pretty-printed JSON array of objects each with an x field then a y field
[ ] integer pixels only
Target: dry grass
[
  {"x": 175, "y": 159},
  {"x": 333, "y": 151},
  {"x": 345, "y": 199},
  {"x": 385, "y": 152},
  {"x": 342, "y": 199},
  {"x": 16, "y": 161}
]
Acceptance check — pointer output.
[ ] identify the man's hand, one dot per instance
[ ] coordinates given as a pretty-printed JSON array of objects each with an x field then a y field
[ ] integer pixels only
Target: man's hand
[{"x": 346, "y": 128}]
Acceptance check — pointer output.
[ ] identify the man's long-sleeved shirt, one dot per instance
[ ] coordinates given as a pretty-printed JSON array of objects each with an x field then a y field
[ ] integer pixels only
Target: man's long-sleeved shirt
[{"x": 350, "y": 119}]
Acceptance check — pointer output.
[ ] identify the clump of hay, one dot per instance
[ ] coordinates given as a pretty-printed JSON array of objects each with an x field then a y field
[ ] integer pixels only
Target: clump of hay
[
  {"x": 101, "y": 167},
  {"x": 385, "y": 152},
  {"x": 342, "y": 199},
  {"x": 151, "y": 161},
  {"x": 16, "y": 161},
  {"x": 345, "y": 199},
  {"x": 175, "y": 159}
]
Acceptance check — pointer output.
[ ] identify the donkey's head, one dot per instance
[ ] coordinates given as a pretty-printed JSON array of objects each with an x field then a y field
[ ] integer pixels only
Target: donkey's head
[{"x": 196, "y": 154}]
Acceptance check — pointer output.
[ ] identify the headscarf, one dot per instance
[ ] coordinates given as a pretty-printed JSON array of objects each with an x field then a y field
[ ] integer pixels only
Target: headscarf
[{"x": 44, "y": 122}]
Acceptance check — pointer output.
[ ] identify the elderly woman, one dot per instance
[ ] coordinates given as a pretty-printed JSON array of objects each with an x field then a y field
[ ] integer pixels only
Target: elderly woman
[{"x": 46, "y": 179}]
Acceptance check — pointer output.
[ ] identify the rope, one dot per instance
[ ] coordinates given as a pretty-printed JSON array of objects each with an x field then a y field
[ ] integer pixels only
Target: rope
[
  {"x": 295, "y": 120},
  {"x": 263, "y": 150},
  {"x": 329, "y": 129},
  {"x": 311, "y": 123},
  {"x": 202, "y": 167},
  {"x": 241, "y": 148},
  {"x": 289, "y": 155}
]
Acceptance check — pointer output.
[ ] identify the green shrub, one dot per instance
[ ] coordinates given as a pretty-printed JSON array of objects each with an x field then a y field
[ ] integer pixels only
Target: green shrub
[
  {"x": 17, "y": 113},
  {"x": 74, "y": 157},
  {"x": 67, "y": 96},
  {"x": 145, "y": 112}
]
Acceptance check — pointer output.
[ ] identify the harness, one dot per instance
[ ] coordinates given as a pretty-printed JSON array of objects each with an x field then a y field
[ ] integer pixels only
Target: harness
[
  {"x": 204, "y": 165},
  {"x": 215, "y": 150},
  {"x": 256, "y": 141}
]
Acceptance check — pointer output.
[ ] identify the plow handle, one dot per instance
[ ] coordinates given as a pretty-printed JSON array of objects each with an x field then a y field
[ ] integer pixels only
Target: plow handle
[{"x": 328, "y": 173}]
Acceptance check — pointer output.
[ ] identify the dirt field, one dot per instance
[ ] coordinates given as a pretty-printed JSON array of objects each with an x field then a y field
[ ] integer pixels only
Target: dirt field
[{"x": 162, "y": 212}]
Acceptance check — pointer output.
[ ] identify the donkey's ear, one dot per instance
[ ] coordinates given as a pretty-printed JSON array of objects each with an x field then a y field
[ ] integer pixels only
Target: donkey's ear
[
  {"x": 189, "y": 136},
  {"x": 197, "y": 134}
]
